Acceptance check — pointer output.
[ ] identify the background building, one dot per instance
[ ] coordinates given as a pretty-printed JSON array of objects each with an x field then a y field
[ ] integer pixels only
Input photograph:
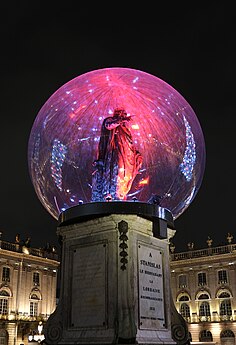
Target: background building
[
  {"x": 204, "y": 290},
  {"x": 203, "y": 283},
  {"x": 28, "y": 281}
]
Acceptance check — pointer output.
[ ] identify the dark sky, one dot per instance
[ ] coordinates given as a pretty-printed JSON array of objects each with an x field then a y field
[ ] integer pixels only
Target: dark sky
[{"x": 191, "y": 48}]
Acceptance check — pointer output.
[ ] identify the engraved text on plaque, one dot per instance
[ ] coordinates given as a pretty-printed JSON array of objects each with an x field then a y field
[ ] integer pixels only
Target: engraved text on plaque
[{"x": 151, "y": 295}]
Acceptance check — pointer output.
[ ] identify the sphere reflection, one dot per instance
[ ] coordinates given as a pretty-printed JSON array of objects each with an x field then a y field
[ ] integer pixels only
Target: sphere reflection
[{"x": 71, "y": 161}]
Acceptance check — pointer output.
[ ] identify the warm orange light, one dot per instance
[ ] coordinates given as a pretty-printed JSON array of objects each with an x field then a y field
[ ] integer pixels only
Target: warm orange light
[
  {"x": 72, "y": 115},
  {"x": 144, "y": 181},
  {"x": 136, "y": 126}
]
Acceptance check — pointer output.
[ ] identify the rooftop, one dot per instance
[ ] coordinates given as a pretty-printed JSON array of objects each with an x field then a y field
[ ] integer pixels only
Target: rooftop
[{"x": 49, "y": 252}]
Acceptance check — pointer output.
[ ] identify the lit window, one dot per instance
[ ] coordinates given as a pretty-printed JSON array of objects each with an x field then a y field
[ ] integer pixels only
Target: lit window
[
  {"x": 227, "y": 333},
  {"x": 33, "y": 308},
  {"x": 36, "y": 278},
  {"x": 225, "y": 308},
  {"x": 224, "y": 295},
  {"x": 182, "y": 281},
  {"x": 3, "y": 306},
  {"x": 205, "y": 335},
  {"x": 3, "y": 338},
  {"x": 4, "y": 302},
  {"x": 222, "y": 277},
  {"x": 204, "y": 309},
  {"x": 203, "y": 296},
  {"x": 34, "y": 304},
  {"x": 6, "y": 274},
  {"x": 184, "y": 298},
  {"x": 185, "y": 311},
  {"x": 201, "y": 278}
]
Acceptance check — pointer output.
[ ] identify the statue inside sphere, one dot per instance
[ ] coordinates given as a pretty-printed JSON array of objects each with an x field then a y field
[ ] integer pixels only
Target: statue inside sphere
[
  {"x": 116, "y": 134},
  {"x": 118, "y": 160}
]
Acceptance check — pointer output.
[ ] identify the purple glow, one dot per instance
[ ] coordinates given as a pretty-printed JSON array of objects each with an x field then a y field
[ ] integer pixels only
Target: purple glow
[{"x": 64, "y": 139}]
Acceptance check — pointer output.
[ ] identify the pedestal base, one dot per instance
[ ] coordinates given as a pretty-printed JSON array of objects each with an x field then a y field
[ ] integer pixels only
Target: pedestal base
[{"x": 115, "y": 286}]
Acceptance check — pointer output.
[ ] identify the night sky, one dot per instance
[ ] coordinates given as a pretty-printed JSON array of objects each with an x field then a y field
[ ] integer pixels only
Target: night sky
[{"x": 190, "y": 48}]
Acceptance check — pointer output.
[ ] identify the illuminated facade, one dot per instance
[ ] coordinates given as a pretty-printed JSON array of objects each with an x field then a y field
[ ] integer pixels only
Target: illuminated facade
[
  {"x": 204, "y": 290},
  {"x": 27, "y": 291}
]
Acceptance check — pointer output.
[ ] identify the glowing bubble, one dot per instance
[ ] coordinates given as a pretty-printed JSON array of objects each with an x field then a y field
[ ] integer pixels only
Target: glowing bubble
[{"x": 65, "y": 136}]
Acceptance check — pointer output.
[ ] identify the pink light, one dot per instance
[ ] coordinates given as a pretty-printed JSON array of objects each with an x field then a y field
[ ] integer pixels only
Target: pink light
[{"x": 165, "y": 130}]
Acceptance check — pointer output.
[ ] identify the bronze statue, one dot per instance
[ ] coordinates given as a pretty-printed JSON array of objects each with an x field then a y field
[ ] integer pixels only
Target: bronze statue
[{"x": 118, "y": 161}]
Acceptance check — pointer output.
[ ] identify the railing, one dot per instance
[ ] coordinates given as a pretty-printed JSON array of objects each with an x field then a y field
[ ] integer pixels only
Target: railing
[
  {"x": 209, "y": 318},
  {"x": 49, "y": 253},
  {"x": 23, "y": 317},
  {"x": 226, "y": 318},
  {"x": 230, "y": 248},
  {"x": 205, "y": 318}
]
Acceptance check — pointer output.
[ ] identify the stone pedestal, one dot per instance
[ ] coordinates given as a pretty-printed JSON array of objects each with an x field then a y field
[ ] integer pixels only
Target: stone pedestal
[{"x": 115, "y": 281}]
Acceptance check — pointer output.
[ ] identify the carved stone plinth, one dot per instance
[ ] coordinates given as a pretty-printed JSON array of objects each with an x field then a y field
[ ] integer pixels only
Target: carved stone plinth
[{"x": 115, "y": 281}]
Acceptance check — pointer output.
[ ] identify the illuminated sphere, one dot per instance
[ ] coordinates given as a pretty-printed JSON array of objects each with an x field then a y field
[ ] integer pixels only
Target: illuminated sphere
[{"x": 64, "y": 139}]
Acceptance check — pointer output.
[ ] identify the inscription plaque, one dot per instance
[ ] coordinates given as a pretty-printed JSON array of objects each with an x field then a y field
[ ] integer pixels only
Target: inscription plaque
[
  {"x": 88, "y": 307},
  {"x": 151, "y": 296}
]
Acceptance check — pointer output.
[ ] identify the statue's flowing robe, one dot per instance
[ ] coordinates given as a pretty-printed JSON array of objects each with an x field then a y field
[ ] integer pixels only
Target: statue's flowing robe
[{"x": 117, "y": 164}]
